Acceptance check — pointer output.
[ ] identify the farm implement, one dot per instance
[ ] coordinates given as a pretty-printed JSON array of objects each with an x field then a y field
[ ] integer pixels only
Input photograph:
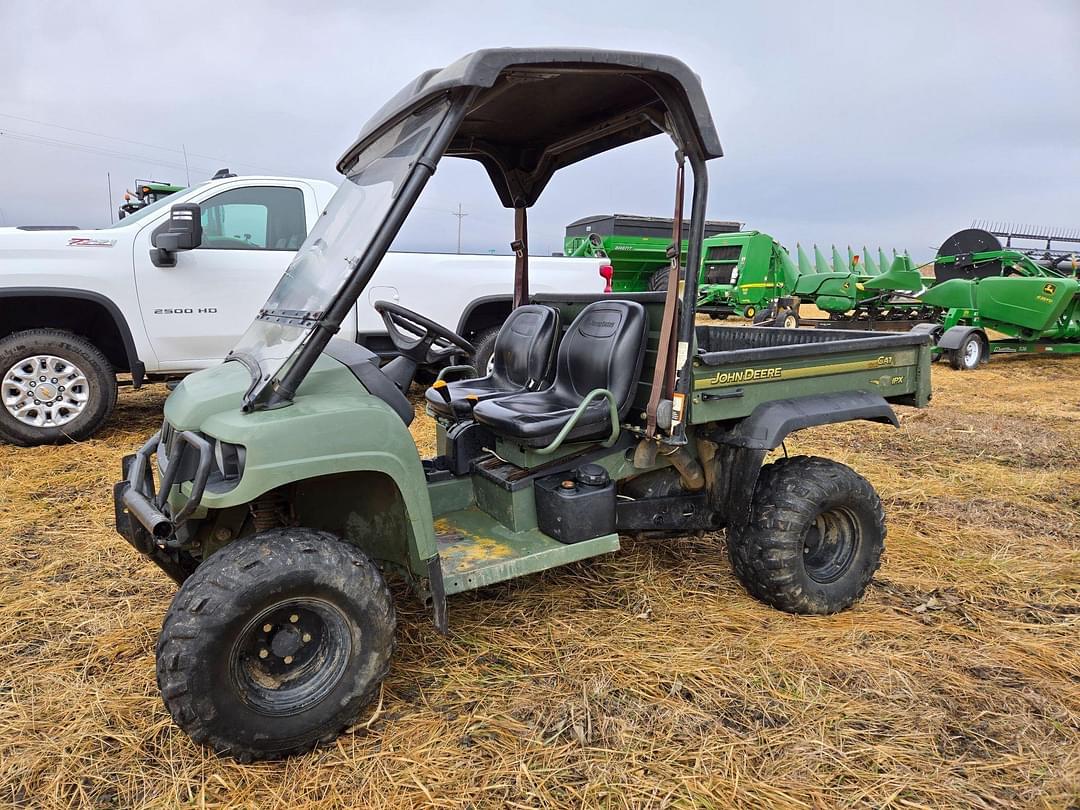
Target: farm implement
[
  {"x": 636, "y": 247},
  {"x": 751, "y": 274},
  {"x": 994, "y": 299}
]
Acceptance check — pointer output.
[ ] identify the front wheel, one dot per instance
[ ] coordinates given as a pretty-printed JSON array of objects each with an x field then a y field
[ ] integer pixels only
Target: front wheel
[
  {"x": 275, "y": 644},
  {"x": 54, "y": 387},
  {"x": 814, "y": 539}
]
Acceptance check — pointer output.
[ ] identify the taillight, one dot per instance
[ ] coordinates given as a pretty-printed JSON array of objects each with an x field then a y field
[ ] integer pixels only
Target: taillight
[{"x": 607, "y": 272}]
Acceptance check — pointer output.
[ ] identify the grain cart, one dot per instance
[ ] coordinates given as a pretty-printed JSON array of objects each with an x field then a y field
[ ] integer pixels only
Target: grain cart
[
  {"x": 284, "y": 487},
  {"x": 635, "y": 246},
  {"x": 994, "y": 299}
]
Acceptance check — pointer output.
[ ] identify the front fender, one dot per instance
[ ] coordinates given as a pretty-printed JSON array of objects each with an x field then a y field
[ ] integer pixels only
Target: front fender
[{"x": 332, "y": 426}]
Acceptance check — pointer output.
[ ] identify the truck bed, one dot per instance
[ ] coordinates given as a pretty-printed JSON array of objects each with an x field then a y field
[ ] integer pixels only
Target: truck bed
[{"x": 738, "y": 368}]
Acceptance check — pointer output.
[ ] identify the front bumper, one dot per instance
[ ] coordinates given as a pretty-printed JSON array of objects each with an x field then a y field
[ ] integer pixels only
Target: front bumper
[{"x": 144, "y": 516}]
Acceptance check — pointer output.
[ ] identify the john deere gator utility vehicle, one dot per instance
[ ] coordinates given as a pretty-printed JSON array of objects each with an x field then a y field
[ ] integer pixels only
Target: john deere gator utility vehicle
[{"x": 284, "y": 487}]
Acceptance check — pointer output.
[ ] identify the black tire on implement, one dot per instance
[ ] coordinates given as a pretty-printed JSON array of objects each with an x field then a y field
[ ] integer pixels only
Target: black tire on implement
[
  {"x": 80, "y": 352},
  {"x": 658, "y": 280},
  {"x": 815, "y": 536},
  {"x": 969, "y": 355},
  {"x": 254, "y": 693}
]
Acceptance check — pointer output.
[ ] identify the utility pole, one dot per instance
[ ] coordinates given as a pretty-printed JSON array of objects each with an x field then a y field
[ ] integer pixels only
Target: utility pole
[
  {"x": 108, "y": 180},
  {"x": 187, "y": 171},
  {"x": 460, "y": 216}
]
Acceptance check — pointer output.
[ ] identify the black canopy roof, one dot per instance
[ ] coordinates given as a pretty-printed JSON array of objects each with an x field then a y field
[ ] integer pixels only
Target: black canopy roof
[{"x": 540, "y": 109}]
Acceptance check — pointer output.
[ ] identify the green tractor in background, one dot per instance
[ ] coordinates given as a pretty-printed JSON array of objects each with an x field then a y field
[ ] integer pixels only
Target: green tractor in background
[
  {"x": 636, "y": 246},
  {"x": 146, "y": 192}
]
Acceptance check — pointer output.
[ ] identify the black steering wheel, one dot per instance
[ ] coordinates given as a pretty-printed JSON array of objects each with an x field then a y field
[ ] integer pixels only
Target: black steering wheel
[{"x": 421, "y": 340}]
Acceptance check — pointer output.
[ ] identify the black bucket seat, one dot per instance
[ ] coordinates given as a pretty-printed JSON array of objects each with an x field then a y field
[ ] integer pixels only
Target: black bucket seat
[
  {"x": 603, "y": 348},
  {"x": 520, "y": 361}
]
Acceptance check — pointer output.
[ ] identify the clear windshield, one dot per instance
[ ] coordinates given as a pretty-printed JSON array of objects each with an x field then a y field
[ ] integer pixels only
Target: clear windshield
[{"x": 336, "y": 244}]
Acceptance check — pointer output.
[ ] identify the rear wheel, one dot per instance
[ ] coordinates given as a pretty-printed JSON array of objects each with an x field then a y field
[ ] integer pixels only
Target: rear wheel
[
  {"x": 275, "y": 644},
  {"x": 969, "y": 354},
  {"x": 54, "y": 387},
  {"x": 815, "y": 536},
  {"x": 658, "y": 280}
]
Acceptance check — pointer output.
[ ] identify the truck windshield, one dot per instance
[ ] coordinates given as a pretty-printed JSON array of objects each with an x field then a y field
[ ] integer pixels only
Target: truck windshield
[{"x": 337, "y": 243}]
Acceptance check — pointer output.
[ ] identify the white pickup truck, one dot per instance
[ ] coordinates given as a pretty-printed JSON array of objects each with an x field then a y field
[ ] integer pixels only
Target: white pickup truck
[{"x": 78, "y": 307}]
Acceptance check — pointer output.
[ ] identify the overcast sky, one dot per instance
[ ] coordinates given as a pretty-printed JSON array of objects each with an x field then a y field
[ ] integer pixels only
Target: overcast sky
[{"x": 842, "y": 122}]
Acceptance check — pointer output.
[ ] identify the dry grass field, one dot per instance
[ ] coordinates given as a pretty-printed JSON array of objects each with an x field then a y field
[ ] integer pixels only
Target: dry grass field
[{"x": 646, "y": 678}]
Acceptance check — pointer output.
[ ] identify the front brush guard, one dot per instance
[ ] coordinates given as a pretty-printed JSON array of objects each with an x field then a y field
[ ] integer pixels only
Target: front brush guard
[{"x": 136, "y": 497}]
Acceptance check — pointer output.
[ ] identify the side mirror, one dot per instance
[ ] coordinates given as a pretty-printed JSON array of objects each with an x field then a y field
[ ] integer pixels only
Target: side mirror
[{"x": 183, "y": 231}]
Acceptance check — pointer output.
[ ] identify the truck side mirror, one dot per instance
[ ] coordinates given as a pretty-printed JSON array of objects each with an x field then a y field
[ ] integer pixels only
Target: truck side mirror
[{"x": 183, "y": 231}]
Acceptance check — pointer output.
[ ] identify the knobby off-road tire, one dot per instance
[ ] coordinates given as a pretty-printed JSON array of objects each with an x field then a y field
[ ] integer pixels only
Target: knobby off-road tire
[
  {"x": 275, "y": 644},
  {"x": 815, "y": 536},
  {"x": 78, "y": 389}
]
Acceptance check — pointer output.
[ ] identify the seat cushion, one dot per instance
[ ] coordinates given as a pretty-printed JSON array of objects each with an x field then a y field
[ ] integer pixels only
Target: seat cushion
[
  {"x": 463, "y": 395},
  {"x": 603, "y": 348},
  {"x": 520, "y": 361}
]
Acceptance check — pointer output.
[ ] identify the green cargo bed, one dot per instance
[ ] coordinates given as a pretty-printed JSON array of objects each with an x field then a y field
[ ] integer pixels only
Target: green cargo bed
[{"x": 738, "y": 368}]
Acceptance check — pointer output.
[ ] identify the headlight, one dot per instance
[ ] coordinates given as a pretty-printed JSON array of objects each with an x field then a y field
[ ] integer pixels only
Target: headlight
[{"x": 229, "y": 459}]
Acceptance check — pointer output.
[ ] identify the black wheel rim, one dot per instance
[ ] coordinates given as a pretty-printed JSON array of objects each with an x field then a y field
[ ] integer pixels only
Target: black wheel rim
[
  {"x": 830, "y": 544},
  {"x": 291, "y": 656}
]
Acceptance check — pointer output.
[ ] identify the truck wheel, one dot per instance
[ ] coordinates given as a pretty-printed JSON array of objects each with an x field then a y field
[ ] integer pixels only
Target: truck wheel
[
  {"x": 815, "y": 536},
  {"x": 658, "y": 280},
  {"x": 54, "y": 387},
  {"x": 968, "y": 355},
  {"x": 485, "y": 351},
  {"x": 275, "y": 644}
]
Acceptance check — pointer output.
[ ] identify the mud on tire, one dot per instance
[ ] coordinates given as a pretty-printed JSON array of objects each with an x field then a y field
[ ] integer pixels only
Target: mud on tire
[
  {"x": 275, "y": 644},
  {"x": 814, "y": 539}
]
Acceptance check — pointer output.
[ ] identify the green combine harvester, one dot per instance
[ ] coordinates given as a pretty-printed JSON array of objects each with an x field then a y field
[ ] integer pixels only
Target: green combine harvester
[{"x": 636, "y": 246}]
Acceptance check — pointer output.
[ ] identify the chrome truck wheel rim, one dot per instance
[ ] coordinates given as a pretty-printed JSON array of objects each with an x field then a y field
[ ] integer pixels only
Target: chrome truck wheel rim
[{"x": 45, "y": 391}]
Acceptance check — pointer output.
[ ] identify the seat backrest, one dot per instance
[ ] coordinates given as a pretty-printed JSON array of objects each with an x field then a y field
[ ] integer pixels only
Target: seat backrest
[
  {"x": 603, "y": 348},
  {"x": 524, "y": 346}
]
